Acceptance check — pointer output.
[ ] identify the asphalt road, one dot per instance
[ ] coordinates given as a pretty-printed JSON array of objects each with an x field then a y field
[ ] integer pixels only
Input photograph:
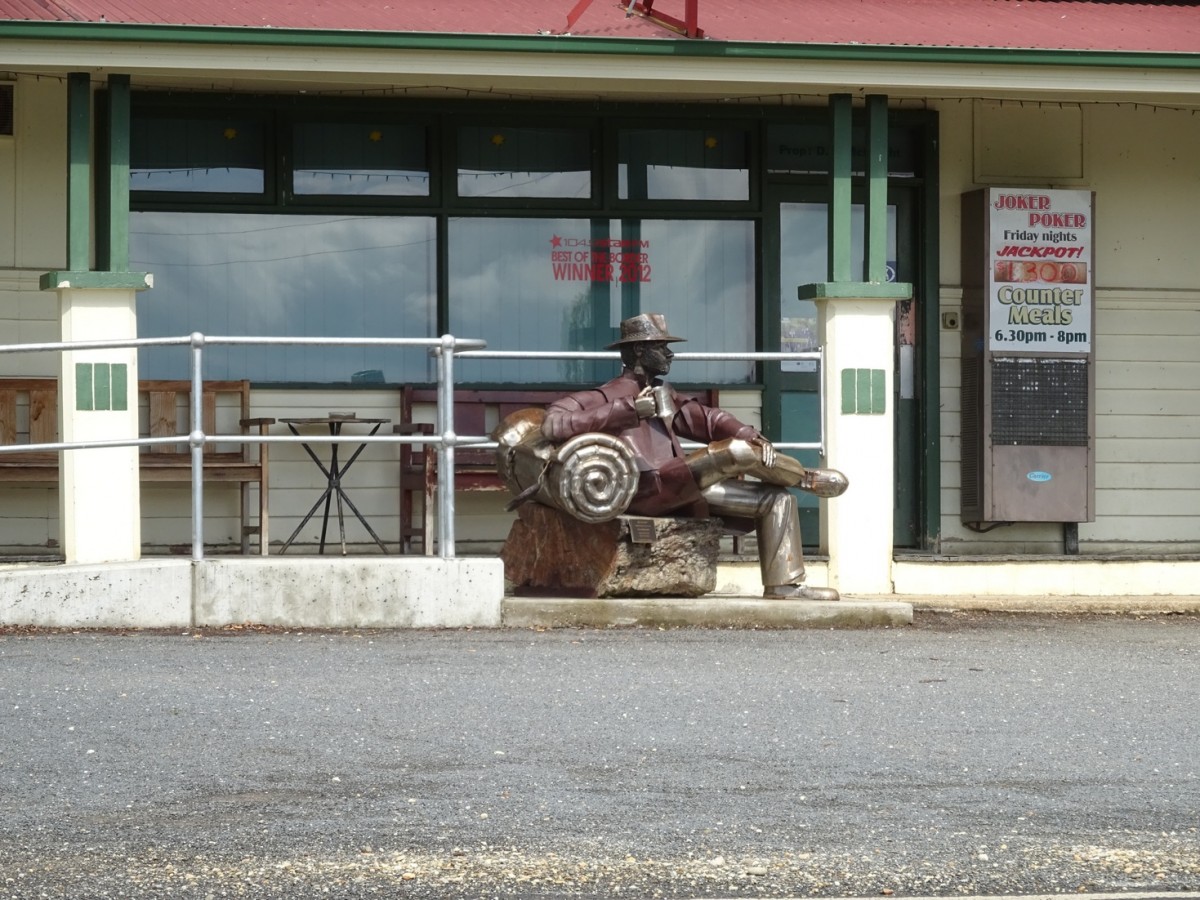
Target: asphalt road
[{"x": 966, "y": 754}]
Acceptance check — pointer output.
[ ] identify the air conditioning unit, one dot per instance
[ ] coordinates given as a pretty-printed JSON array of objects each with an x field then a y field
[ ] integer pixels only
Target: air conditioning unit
[{"x": 1028, "y": 356}]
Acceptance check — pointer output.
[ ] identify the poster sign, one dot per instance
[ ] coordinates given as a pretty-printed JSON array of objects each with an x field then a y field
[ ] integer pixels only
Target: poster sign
[
  {"x": 1039, "y": 283},
  {"x": 619, "y": 260}
]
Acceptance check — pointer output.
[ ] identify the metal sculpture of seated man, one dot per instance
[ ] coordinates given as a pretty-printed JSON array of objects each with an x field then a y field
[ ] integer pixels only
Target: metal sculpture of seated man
[{"x": 649, "y": 418}]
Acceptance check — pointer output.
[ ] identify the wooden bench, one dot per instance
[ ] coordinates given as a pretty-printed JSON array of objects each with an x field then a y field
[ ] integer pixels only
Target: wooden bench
[
  {"x": 29, "y": 414},
  {"x": 476, "y": 412}
]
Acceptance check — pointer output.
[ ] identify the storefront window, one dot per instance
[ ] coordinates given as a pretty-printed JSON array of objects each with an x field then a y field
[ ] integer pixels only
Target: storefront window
[
  {"x": 286, "y": 276},
  {"x": 362, "y": 158},
  {"x": 224, "y": 155},
  {"x": 557, "y": 284},
  {"x": 497, "y": 161},
  {"x": 683, "y": 164}
]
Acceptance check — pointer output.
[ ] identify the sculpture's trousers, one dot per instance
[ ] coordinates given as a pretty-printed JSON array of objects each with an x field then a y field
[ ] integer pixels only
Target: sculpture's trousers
[{"x": 776, "y": 514}]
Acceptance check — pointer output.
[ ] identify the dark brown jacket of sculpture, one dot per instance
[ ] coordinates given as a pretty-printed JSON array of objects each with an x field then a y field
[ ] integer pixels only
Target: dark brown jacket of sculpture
[{"x": 665, "y": 485}]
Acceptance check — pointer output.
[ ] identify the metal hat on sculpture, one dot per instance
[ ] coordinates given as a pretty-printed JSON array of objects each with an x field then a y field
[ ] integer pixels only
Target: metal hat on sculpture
[{"x": 644, "y": 327}]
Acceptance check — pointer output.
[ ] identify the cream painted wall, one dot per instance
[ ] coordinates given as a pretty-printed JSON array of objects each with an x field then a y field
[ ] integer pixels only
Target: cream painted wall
[
  {"x": 39, "y": 216},
  {"x": 1141, "y": 164}
]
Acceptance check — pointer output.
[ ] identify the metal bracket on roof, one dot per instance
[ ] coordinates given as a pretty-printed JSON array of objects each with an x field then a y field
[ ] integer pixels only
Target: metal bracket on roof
[
  {"x": 687, "y": 26},
  {"x": 576, "y": 11}
]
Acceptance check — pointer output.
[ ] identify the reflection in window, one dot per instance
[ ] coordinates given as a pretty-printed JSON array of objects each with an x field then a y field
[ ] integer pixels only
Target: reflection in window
[
  {"x": 683, "y": 164},
  {"x": 215, "y": 155},
  {"x": 286, "y": 276},
  {"x": 499, "y": 161},
  {"x": 804, "y": 259},
  {"x": 360, "y": 159},
  {"x": 565, "y": 284}
]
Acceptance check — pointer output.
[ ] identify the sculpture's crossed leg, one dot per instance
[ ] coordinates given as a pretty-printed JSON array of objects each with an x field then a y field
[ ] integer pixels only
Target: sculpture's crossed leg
[
  {"x": 733, "y": 457},
  {"x": 772, "y": 507}
]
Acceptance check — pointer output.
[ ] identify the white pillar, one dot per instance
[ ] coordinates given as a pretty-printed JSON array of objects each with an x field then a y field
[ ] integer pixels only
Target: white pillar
[
  {"x": 858, "y": 337},
  {"x": 99, "y": 489}
]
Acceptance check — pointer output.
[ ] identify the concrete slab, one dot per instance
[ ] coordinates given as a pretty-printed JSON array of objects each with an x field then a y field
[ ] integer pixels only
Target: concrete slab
[
  {"x": 146, "y": 594},
  {"x": 1125, "y": 605},
  {"x": 298, "y": 592},
  {"x": 351, "y": 592},
  {"x": 710, "y": 611}
]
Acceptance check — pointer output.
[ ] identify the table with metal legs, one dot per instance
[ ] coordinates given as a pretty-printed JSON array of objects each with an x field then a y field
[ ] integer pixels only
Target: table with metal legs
[{"x": 335, "y": 473}]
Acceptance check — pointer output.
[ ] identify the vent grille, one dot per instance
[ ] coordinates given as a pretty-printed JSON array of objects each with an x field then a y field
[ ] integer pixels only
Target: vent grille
[
  {"x": 1041, "y": 402},
  {"x": 6, "y": 109}
]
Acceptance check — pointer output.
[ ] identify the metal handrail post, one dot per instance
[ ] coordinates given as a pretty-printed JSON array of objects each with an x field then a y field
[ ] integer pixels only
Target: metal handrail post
[
  {"x": 821, "y": 400},
  {"x": 196, "y": 443},
  {"x": 445, "y": 479}
]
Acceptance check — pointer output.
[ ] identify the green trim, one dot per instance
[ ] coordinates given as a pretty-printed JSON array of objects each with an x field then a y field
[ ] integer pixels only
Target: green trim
[
  {"x": 877, "y": 185},
  {"x": 855, "y": 290},
  {"x": 83, "y": 387},
  {"x": 120, "y": 386},
  {"x": 118, "y": 175},
  {"x": 102, "y": 386},
  {"x": 864, "y": 392},
  {"x": 929, "y": 525},
  {"x": 130, "y": 281},
  {"x": 79, "y": 171},
  {"x": 849, "y": 392},
  {"x": 840, "y": 230},
  {"x": 559, "y": 44}
]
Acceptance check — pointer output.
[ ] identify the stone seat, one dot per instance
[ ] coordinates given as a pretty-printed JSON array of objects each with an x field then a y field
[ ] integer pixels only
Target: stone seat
[{"x": 551, "y": 553}]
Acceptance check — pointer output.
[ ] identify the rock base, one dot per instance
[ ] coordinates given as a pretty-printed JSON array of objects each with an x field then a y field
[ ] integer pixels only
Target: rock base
[{"x": 549, "y": 552}]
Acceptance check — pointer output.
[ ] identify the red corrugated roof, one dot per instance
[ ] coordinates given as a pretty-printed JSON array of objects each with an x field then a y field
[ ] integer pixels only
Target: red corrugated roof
[{"x": 1035, "y": 24}]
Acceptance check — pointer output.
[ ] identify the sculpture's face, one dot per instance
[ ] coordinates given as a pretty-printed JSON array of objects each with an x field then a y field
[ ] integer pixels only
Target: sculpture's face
[{"x": 655, "y": 357}]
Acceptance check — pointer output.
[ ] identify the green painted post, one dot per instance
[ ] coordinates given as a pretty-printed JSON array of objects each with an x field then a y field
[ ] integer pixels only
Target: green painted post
[
  {"x": 877, "y": 169},
  {"x": 839, "y": 188},
  {"x": 118, "y": 174},
  {"x": 79, "y": 97}
]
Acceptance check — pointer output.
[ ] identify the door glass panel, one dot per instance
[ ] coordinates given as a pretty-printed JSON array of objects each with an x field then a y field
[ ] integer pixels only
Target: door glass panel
[{"x": 804, "y": 259}]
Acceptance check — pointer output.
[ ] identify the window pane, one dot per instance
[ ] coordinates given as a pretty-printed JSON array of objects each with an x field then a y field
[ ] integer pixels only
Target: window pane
[
  {"x": 498, "y": 161},
  {"x": 804, "y": 259},
  {"x": 286, "y": 276},
  {"x": 683, "y": 164},
  {"x": 701, "y": 275},
  {"x": 360, "y": 158},
  {"x": 563, "y": 284},
  {"x": 213, "y": 155},
  {"x": 508, "y": 285}
]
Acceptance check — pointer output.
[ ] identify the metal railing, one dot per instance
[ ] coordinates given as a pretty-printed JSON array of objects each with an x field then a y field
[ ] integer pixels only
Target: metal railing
[{"x": 444, "y": 349}]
